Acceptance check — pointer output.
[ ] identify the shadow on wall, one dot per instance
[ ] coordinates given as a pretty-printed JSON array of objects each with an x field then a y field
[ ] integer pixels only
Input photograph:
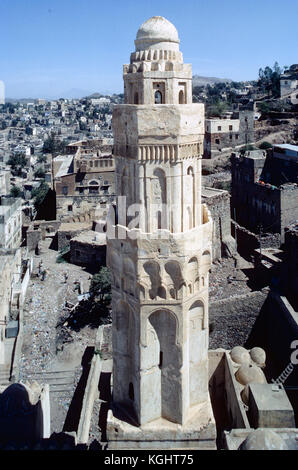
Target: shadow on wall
[
  {"x": 275, "y": 330},
  {"x": 104, "y": 388},
  {"x": 20, "y": 420},
  {"x": 74, "y": 411}
]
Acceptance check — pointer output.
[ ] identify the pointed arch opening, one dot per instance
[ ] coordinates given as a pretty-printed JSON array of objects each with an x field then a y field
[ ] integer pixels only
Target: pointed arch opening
[
  {"x": 166, "y": 364},
  {"x": 158, "y": 97}
]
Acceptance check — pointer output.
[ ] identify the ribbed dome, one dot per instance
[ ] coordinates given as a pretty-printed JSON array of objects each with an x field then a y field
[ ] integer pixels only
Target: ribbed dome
[{"x": 156, "y": 30}]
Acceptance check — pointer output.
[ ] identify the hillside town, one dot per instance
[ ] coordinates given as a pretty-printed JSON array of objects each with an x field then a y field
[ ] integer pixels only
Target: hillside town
[{"x": 179, "y": 331}]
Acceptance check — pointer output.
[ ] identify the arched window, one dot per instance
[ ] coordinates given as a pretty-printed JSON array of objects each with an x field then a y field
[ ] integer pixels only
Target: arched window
[
  {"x": 160, "y": 359},
  {"x": 158, "y": 97},
  {"x": 159, "y": 220},
  {"x": 163, "y": 354},
  {"x": 131, "y": 392},
  {"x": 192, "y": 208},
  {"x": 93, "y": 187},
  {"x": 181, "y": 97}
]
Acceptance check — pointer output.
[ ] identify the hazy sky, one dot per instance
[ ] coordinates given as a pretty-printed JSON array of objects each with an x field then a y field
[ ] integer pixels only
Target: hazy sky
[{"x": 51, "y": 47}]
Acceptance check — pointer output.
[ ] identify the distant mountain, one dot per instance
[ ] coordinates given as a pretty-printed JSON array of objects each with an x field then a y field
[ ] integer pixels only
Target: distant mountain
[
  {"x": 197, "y": 80},
  {"x": 71, "y": 94},
  {"x": 20, "y": 100},
  {"x": 94, "y": 95},
  {"x": 76, "y": 93}
]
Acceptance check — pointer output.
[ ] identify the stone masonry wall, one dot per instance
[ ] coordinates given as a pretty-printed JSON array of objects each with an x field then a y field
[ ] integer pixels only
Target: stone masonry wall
[
  {"x": 219, "y": 207},
  {"x": 232, "y": 319}
]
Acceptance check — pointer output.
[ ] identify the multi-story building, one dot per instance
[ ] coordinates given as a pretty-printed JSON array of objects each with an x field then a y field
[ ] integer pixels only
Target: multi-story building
[
  {"x": 4, "y": 181},
  {"x": 83, "y": 181},
  {"x": 10, "y": 222},
  {"x": 289, "y": 84},
  {"x": 222, "y": 135},
  {"x": 265, "y": 190},
  {"x": 10, "y": 274},
  {"x": 160, "y": 254},
  {"x": 218, "y": 203}
]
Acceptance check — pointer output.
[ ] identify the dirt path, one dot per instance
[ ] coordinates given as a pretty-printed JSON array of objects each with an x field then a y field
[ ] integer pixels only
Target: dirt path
[{"x": 41, "y": 360}]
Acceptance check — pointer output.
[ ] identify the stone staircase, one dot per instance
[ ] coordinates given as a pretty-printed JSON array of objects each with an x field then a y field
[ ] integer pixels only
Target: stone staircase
[
  {"x": 4, "y": 375},
  {"x": 60, "y": 381}
]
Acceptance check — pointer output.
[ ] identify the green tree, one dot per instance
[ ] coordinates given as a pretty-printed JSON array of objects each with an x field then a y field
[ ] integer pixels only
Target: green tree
[
  {"x": 15, "y": 191},
  {"x": 83, "y": 126},
  {"x": 265, "y": 145},
  {"x": 17, "y": 162},
  {"x": 39, "y": 173},
  {"x": 42, "y": 159},
  {"x": 197, "y": 90},
  {"x": 269, "y": 80},
  {"x": 236, "y": 85},
  {"x": 101, "y": 285},
  {"x": 246, "y": 148},
  {"x": 53, "y": 145},
  {"x": 39, "y": 194},
  {"x": 216, "y": 109}
]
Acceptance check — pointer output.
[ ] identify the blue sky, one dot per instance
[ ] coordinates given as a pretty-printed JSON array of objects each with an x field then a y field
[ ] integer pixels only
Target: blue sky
[{"x": 51, "y": 47}]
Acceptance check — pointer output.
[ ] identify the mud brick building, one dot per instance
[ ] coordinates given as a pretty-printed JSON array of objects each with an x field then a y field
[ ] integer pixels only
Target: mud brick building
[
  {"x": 218, "y": 203},
  {"x": 88, "y": 249},
  {"x": 84, "y": 180},
  {"x": 290, "y": 273},
  {"x": 10, "y": 222},
  {"x": 289, "y": 84},
  {"x": 105, "y": 145},
  {"x": 224, "y": 134},
  {"x": 265, "y": 190}
]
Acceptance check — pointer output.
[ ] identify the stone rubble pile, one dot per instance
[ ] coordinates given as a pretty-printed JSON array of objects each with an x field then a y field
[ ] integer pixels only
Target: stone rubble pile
[
  {"x": 219, "y": 285},
  {"x": 43, "y": 351}
]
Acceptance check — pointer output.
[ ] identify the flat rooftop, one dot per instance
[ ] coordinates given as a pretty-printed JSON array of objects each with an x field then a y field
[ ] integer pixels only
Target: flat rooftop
[
  {"x": 212, "y": 192},
  {"x": 91, "y": 238},
  {"x": 255, "y": 154},
  {"x": 292, "y": 147},
  {"x": 71, "y": 226},
  {"x": 65, "y": 167},
  {"x": 62, "y": 157}
]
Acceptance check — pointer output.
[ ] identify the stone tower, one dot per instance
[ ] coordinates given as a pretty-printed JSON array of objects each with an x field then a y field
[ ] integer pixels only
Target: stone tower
[{"x": 160, "y": 252}]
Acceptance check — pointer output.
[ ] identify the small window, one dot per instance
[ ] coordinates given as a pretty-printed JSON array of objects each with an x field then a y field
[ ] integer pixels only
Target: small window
[
  {"x": 158, "y": 97},
  {"x": 69, "y": 208},
  {"x": 131, "y": 392},
  {"x": 236, "y": 136},
  {"x": 160, "y": 359},
  {"x": 136, "y": 98},
  {"x": 217, "y": 141},
  {"x": 65, "y": 190},
  {"x": 93, "y": 189},
  {"x": 230, "y": 128},
  {"x": 219, "y": 128}
]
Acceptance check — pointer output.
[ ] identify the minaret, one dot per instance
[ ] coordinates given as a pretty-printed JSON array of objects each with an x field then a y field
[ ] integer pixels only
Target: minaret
[{"x": 160, "y": 251}]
